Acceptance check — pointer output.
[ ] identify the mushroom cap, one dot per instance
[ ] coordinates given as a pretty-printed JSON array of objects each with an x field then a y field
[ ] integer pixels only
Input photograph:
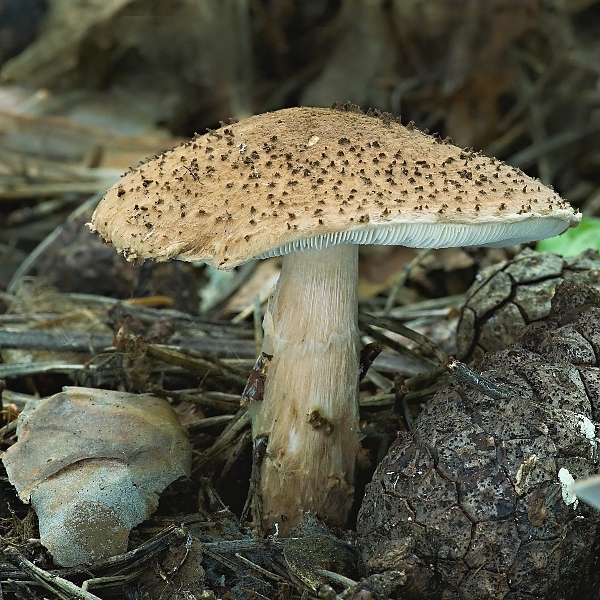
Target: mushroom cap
[{"x": 304, "y": 178}]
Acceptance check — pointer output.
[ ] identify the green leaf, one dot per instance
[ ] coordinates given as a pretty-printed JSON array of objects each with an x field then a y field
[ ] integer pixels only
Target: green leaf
[{"x": 576, "y": 240}]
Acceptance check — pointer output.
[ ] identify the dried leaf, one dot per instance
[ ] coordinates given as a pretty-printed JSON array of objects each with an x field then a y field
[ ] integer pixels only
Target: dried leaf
[{"x": 92, "y": 463}]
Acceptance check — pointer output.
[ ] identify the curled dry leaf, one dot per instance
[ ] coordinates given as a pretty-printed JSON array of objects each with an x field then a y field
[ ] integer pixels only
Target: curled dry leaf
[{"x": 92, "y": 463}]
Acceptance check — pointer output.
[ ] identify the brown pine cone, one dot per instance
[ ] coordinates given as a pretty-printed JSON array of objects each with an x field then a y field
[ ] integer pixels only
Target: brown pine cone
[
  {"x": 514, "y": 293},
  {"x": 475, "y": 503}
]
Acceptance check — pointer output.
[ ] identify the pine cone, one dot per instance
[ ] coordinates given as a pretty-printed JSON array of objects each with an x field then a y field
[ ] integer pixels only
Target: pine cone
[
  {"x": 514, "y": 293},
  {"x": 475, "y": 503}
]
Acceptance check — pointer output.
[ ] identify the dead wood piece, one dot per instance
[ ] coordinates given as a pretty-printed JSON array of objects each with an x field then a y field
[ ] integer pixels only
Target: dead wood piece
[
  {"x": 94, "y": 343},
  {"x": 63, "y": 588}
]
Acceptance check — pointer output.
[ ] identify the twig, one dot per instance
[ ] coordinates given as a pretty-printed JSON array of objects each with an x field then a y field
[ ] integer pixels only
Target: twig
[
  {"x": 459, "y": 371},
  {"x": 382, "y": 382},
  {"x": 227, "y": 436},
  {"x": 94, "y": 343},
  {"x": 243, "y": 545},
  {"x": 221, "y": 401},
  {"x": 190, "y": 322},
  {"x": 462, "y": 373},
  {"x": 526, "y": 157},
  {"x": 396, "y": 346},
  {"x": 112, "y": 580},
  {"x": 333, "y": 576},
  {"x": 413, "y": 335},
  {"x": 135, "y": 308},
  {"x": 253, "y": 502},
  {"x": 592, "y": 204},
  {"x": 234, "y": 454},
  {"x": 434, "y": 308},
  {"x": 370, "y": 325},
  {"x": 402, "y": 277},
  {"x": 537, "y": 130},
  {"x": 241, "y": 95},
  {"x": 530, "y": 94},
  {"x": 22, "y": 369},
  {"x": 55, "y": 340},
  {"x": 35, "y": 190},
  {"x": 148, "y": 550},
  {"x": 368, "y": 354},
  {"x": 196, "y": 364},
  {"x": 258, "y": 568},
  {"x": 377, "y": 400},
  {"x": 35, "y": 254},
  {"x": 8, "y": 428},
  {"x": 208, "y": 422},
  {"x": 63, "y": 588}
]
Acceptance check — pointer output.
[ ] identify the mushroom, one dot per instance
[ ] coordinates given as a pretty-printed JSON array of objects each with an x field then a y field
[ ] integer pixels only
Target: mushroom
[{"x": 311, "y": 184}]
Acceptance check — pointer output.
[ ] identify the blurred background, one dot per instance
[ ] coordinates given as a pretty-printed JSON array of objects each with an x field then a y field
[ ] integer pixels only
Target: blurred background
[{"x": 89, "y": 87}]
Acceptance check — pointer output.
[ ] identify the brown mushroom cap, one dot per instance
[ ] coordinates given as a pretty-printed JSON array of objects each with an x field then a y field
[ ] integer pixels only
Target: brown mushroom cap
[{"x": 310, "y": 177}]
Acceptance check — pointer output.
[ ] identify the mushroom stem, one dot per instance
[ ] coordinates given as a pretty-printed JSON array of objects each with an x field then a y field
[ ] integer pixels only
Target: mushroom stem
[{"x": 309, "y": 409}]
